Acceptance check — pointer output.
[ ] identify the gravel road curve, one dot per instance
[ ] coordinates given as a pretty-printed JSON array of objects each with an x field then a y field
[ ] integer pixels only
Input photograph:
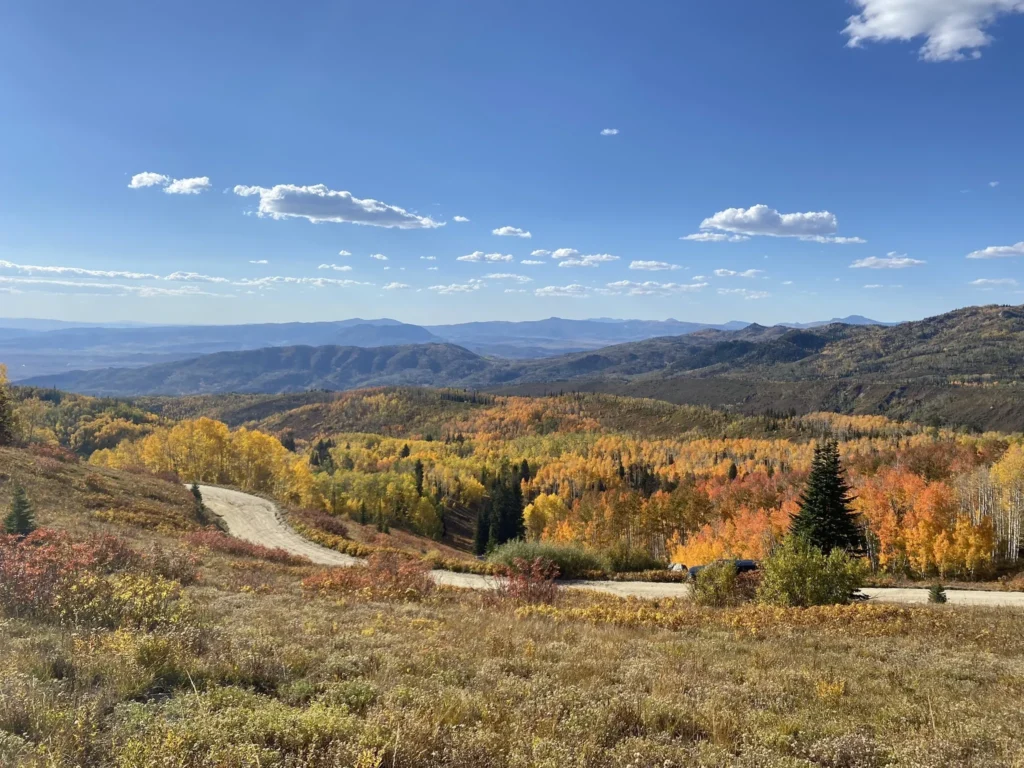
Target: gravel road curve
[{"x": 258, "y": 521}]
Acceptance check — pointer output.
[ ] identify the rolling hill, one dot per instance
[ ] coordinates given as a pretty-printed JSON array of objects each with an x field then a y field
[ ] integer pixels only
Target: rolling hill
[{"x": 962, "y": 367}]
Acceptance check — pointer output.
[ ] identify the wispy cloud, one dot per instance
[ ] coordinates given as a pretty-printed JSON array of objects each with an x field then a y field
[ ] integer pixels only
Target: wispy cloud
[
  {"x": 653, "y": 288},
  {"x": 428, "y": 258},
  {"x": 574, "y": 291},
  {"x": 610, "y": 132},
  {"x": 61, "y": 287},
  {"x": 987, "y": 282},
  {"x": 319, "y": 203},
  {"x": 714, "y": 237},
  {"x": 532, "y": 262},
  {"x": 336, "y": 267},
  {"x": 653, "y": 266},
  {"x": 316, "y": 282},
  {"x": 477, "y": 256},
  {"x": 192, "y": 186},
  {"x": 998, "y": 252},
  {"x": 378, "y": 256},
  {"x": 447, "y": 290},
  {"x": 540, "y": 252},
  {"x": 508, "y": 276},
  {"x": 746, "y": 294},
  {"x": 258, "y": 261},
  {"x": 396, "y": 287},
  {"x": 734, "y": 273},
  {"x": 588, "y": 260},
  {"x": 891, "y": 261},
  {"x": 510, "y": 232},
  {"x": 460, "y": 219}
]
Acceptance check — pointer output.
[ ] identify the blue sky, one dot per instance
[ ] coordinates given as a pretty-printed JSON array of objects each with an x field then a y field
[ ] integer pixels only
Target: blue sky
[{"x": 155, "y": 155}]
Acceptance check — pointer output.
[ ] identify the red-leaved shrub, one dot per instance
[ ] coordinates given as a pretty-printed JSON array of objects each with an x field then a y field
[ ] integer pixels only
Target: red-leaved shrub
[
  {"x": 215, "y": 541},
  {"x": 527, "y": 582},
  {"x": 386, "y": 576}
]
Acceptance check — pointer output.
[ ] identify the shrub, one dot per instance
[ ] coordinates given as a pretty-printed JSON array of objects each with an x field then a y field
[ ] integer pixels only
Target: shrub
[
  {"x": 527, "y": 582},
  {"x": 386, "y": 576},
  {"x": 179, "y": 566},
  {"x": 215, "y": 541},
  {"x": 321, "y": 520},
  {"x": 625, "y": 559},
  {"x": 572, "y": 561},
  {"x": 718, "y": 585},
  {"x": 798, "y": 574},
  {"x": 937, "y": 594}
]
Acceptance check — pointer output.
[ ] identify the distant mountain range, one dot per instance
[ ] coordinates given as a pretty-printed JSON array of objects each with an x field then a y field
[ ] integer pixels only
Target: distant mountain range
[
  {"x": 39, "y": 347},
  {"x": 962, "y": 367}
]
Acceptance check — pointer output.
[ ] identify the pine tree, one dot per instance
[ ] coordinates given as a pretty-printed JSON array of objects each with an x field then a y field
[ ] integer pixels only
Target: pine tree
[
  {"x": 6, "y": 410},
  {"x": 825, "y": 518},
  {"x": 483, "y": 532},
  {"x": 404, "y": 453},
  {"x": 20, "y": 521},
  {"x": 418, "y": 472},
  {"x": 524, "y": 471}
]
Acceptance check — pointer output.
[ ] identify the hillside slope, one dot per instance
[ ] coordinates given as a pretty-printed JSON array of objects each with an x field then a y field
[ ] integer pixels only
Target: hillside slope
[{"x": 963, "y": 367}]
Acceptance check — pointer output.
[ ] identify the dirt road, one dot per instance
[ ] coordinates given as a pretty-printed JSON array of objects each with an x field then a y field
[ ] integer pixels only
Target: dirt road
[{"x": 258, "y": 521}]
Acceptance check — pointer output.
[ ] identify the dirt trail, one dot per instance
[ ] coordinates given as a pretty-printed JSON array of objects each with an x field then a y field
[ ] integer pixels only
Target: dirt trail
[{"x": 258, "y": 521}]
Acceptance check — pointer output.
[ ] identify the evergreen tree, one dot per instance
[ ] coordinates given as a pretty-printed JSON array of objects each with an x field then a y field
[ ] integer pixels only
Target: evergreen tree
[
  {"x": 524, "y": 470},
  {"x": 825, "y": 518},
  {"x": 6, "y": 410},
  {"x": 418, "y": 471},
  {"x": 404, "y": 453},
  {"x": 20, "y": 521},
  {"x": 483, "y": 531},
  {"x": 733, "y": 471}
]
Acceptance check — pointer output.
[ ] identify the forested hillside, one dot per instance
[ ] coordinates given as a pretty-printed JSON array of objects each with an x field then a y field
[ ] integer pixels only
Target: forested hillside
[{"x": 962, "y": 368}]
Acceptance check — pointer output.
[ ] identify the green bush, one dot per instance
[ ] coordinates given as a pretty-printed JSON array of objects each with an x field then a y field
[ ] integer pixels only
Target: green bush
[
  {"x": 573, "y": 562},
  {"x": 717, "y": 585},
  {"x": 798, "y": 574},
  {"x": 624, "y": 559},
  {"x": 937, "y": 594}
]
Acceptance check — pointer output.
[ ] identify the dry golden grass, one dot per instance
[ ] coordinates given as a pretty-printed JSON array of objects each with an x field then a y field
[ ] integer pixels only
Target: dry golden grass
[{"x": 269, "y": 674}]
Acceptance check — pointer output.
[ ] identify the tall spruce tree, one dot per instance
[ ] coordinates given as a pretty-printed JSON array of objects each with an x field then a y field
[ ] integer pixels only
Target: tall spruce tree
[
  {"x": 483, "y": 531},
  {"x": 826, "y": 519},
  {"x": 6, "y": 410},
  {"x": 20, "y": 521}
]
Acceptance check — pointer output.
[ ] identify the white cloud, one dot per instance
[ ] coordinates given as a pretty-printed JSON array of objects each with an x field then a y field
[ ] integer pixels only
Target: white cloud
[
  {"x": 652, "y": 288},
  {"x": 998, "y": 251},
  {"x": 574, "y": 291},
  {"x": 714, "y": 237},
  {"x": 561, "y": 253},
  {"x": 734, "y": 273},
  {"x": 61, "y": 287},
  {"x": 508, "y": 276},
  {"x": 993, "y": 282},
  {"x": 396, "y": 287},
  {"x": 993, "y": 184},
  {"x": 258, "y": 261},
  {"x": 836, "y": 240},
  {"x": 193, "y": 277},
  {"x": 318, "y": 203},
  {"x": 653, "y": 266},
  {"x": 892, "y": 260},
  {"x": 540, "y": 252},
  {"x": 343, "y": 252},
  {"x": 515, "y": 290},
  {"x": 954, "y": 30},
  {"x": 813, "y": 226},
  {"x": 874, "y": 286},
  {"x": 432, "y": 269},
  {"x": 481, "y": 256},
  {"x": 447, "y": 290},
  {"x": 148, "y": 179},
  {"x": 428, "y": 258},
  {"x": 316, "y": 282},
  {"x": 610, "y": 132},
  {"x": 336, "y": 267},
  {"x": 744, "y": 293},
  {"x": 378, "y": 256},
  {"x": 188, "y": 186},
  {"x": 589, "y": 260},
  {"x": 787, "y": 282},
  {"x": 32, "y": 269},
  {"x": 532, "y": 262},
  {"x": 460, "y": 219},
  {"x": 510, "y": 232}
]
